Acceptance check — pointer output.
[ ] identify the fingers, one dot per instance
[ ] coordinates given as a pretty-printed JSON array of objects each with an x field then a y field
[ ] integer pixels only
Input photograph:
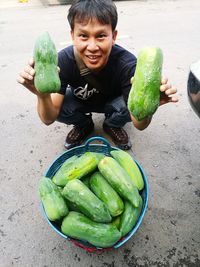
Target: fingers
[
  {"x": 174, "y": 99},
  {"x": 167, "y": 87},
  {"x": 27, "y": 74},
  {"x": 170, "y": 91},
  {"x": 20, "y": 80},
  {"x": 31, "y": 62},
  {"x": 164, "y": 80},
  {"x": 30, "y": 72}
]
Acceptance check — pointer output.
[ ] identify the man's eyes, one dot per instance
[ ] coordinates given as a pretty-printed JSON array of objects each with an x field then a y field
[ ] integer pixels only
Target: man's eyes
[
  {"x": 85, "y": 36},
  {"x": 101, "y": 36}
]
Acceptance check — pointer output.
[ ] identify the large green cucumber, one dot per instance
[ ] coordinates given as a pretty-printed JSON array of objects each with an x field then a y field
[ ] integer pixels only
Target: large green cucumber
[
  {"x": 86, "y": 201},
  {"x": 86, "y": 180},
  {"x": 59, "y": 177},
  {"x": 130, "y": 166},
  {"x": 118, "y": 178},
  {"x": 77, "y": 225},
  {"x": 78, "y": 168},
  {"x": 129, "y": 217},
  {"x": 52, "y": 200},
  {"x": 144, "y": 96},
  {"x": 46, "y": 79},
  {"x": 116, "y": 221},
  {"x": 104, "y": 191}
]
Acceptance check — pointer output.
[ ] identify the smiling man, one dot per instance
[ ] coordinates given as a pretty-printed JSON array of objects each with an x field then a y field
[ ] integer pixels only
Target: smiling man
[{"x": 95, "y": 76}]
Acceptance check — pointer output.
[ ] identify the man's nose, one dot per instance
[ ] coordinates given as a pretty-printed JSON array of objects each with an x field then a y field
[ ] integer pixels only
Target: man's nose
[{"x": 92, "y": 45}]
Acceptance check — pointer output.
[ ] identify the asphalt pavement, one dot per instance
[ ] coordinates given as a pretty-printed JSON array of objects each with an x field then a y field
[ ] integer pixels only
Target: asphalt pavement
[{"x": 168, "y": 149}]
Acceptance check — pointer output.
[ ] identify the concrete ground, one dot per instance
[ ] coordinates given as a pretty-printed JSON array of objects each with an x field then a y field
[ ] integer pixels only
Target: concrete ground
[{"x": 168, "y": 149}]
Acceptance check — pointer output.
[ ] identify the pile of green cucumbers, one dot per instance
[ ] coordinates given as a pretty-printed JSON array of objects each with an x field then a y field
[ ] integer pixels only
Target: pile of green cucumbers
[{"x": 94, "y": 197}]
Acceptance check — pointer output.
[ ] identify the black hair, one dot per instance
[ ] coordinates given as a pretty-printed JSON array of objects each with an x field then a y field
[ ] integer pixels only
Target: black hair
[{"x": 104, "y": 11}]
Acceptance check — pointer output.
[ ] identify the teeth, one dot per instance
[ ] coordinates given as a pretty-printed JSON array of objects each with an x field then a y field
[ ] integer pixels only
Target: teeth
[{"x": 92, "y": 57}]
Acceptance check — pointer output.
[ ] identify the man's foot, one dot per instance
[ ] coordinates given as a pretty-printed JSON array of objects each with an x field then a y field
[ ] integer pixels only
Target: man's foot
[
  {"x": 119, "y": 136},
  {"x": 78, "y": 134}
]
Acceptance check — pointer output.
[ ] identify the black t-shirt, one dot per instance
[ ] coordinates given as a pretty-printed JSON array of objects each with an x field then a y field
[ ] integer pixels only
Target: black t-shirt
[{"x": 114, "y": 77}]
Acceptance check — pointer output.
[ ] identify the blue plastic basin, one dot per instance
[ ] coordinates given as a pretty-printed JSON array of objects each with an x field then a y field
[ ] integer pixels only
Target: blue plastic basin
[{"x": 104, "y": 148}]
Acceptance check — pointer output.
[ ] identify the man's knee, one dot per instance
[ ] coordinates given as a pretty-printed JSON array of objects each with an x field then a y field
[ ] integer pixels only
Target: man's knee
[
  {"x": 117, "y": 113},
  {"x": 72, "y": 111}
]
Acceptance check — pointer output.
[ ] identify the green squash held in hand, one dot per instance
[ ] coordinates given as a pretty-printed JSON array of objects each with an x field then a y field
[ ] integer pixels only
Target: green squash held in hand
[
  {"x": 46, "y": 78},
  {"x": 144, "y": 97}
]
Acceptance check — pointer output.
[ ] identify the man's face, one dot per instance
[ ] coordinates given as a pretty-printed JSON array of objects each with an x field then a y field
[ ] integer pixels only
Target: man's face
[{"x": 93, "y": 42}]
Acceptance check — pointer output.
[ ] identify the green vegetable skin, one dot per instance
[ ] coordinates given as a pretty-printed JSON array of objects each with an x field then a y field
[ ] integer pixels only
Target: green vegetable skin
[
  {"x": 59, "y": 177},
  {"x": 79, "y": 168},
  {"x": 52, "y": 200},
  {"x": 144, "y": 97},
  {"x": 119, "y": 180},
  {"x": 129, "y": 217},
  {"x": 130, "y": 166},
  {"x": 116, "y": 221},
  {"x": 46, "y": 79},
  {"x": 86, "y": 180},
  {"x": 78, "y": 226},
  {"x": 86, "y": 201},
  {"x": 107, "y": 194}
]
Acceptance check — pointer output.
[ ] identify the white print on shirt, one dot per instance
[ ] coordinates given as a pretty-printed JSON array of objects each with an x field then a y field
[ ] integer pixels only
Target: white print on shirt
[{"x": 84, "y": 92}]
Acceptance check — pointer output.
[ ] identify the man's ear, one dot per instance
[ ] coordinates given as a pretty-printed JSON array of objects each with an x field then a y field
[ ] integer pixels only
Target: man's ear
[{"x": 114, "y": 37}]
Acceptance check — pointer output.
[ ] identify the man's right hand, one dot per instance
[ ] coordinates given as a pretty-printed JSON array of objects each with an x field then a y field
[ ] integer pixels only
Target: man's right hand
[
  {"x": 26, "y": 77},
  {"x": 48, "y": 105}
]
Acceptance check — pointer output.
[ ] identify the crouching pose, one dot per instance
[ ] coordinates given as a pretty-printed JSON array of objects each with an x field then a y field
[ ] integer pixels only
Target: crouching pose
[{"x": 95, "y": 76}]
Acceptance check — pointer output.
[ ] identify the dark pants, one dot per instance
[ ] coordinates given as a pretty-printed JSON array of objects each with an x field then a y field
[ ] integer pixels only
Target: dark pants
[{"x": 76, "y": 112}]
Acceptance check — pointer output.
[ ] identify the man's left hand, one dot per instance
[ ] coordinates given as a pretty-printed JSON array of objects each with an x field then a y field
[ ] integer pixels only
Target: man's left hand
[{"x": 168, "y": 92}]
